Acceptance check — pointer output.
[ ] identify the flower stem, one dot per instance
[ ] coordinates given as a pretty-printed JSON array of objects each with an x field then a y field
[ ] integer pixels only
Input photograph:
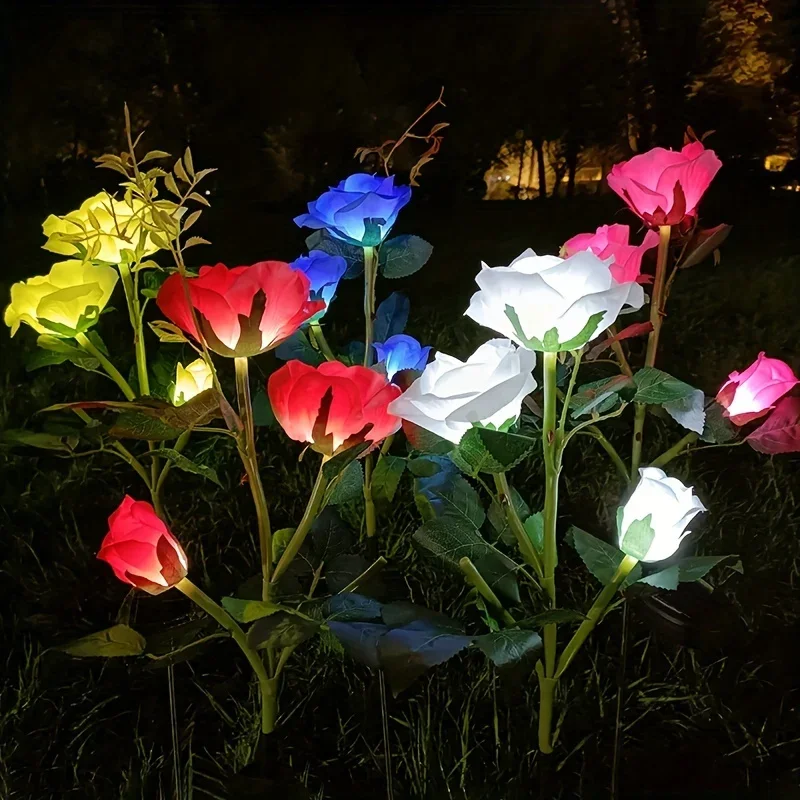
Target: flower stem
[
  {"x": 597, "y": 434},
  {"x": 370, "y": 518},
  {"x": 322, "y": 343},
  {"x": 515, "y": 523},
  {"x": 594, "y": 614},
  {"x": 267, "y": 686},
  {"x": 551, "y": 448},
  {"x": 370, "y": 276},
  {"x": 675, "y": 450},
  {"x": 299, "y": 536},
  {"x": 475, "y": 579},
  {"x": 247, "y": 452},
  {"x": 570, "y": 389},
  {"x": 180, "y": 444},
  {"x": 86, "y": 343}
]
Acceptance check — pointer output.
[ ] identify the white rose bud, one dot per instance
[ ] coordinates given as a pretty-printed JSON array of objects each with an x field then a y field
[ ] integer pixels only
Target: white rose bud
[{"x": 451, "y": 395}]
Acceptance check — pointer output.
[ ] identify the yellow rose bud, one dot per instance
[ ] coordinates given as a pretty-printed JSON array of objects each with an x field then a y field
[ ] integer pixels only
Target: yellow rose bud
[
  {"x": 191, "y": 380},
  {"x": 105, "y": 227},
  {"x": 70, "y": 297}
]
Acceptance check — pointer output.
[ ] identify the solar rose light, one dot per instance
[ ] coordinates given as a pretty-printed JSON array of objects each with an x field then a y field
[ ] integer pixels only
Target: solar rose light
[{"x": 388, "y": 417}]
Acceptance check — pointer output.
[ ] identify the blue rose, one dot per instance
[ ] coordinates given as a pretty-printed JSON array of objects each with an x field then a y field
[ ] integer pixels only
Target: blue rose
[
  {"x": 324, "y": 271},
  {"x": 360, "y": 210},
  {"x": 401, "y": 352}
]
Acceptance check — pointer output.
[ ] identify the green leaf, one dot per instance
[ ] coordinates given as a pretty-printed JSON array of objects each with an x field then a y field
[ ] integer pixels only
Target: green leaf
[
  {"x": 354, "y": 256},
  {"x": 451, "y": 538},
  {"x": 338, "y": 463},
  {"x": 386, "y": 478},
  {"x": 280, "y": 539},
  {"x": 664, "y": 579},
  {"x": 330, "y": 537},
  {"x": 534, "y": 527},
  {"x": 637, "y": 539},
  {"x": 249, "y": 610},
  {"x": 486, "y": 450},
  {"x": 55, "y": 350},
  {"x": 297, "y": 347},
  {"x": 507, "y": 647},
  {"x": 557, "y": 616},
  {"x": 349, "y": 607},
  {"x": 45, "y": 441},
  {"x": 600, "y": 558},
  {"x": 135, "y": 425},
  {"x": 185, "y": 464},
  {"x": 403, "y": 255},
  {"x": 349, "y": 486},
  {"x": 498, "y": 520},
  {"x": 263, "y": 415},
  {"x": 119, "y": 640},
  {"x": 460, "y": 500},
  {"x": 693, "y": 568},
  {"x": 718, "y": 429},
  {"x": 281, "y": 629},
  {"x": 424, "y": 441},
  {"x": 391, "y": 316},
  {"x": 689, "y": 412},
  {"x": 655, "y": 387},
  {"x": 600, "y": 396}
]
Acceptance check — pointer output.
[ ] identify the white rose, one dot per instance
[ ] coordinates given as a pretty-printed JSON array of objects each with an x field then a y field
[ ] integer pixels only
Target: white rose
[
  {"x": 555, "y": 299},
  {"x": 672, "y": 507},
  {"x": 451, "y": 395}
]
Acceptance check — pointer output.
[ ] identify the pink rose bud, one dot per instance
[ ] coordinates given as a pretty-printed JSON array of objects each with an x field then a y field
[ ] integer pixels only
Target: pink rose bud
[
  {"x": 750, "y": 394},
  {"x": 141, "y": 550},
  {"x": 611, "y": 241},
  {"x": 664, "y": 186}
]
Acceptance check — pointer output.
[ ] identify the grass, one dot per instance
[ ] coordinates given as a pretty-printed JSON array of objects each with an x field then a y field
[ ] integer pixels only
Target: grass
[{"x": 711, "y": 703}]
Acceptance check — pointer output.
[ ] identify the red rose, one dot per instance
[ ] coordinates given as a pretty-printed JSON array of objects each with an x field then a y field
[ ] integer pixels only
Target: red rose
[
  {"x": 141, "y": 550},
  {"x": 332, "y": 407},
  {"x": 242, "y": 311},
  {"x": 664, "y": 186}
]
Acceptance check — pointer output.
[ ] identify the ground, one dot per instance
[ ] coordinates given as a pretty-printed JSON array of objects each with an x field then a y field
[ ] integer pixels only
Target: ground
[{"x": 712, "y": 696}]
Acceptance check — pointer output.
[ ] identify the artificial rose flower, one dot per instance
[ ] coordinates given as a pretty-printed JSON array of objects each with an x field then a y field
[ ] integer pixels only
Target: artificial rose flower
[
  {"x": 401, "y": 352},
  {"x": 561, "y": 303},
  {"x": 70, "y": 297},
  {"x": 141, "y": 550},
  {"x": 119, "y": 227},
  {"x": 332, "y": 407},
  {"x": 360, "y": 210},
  {"x": 191, "y": 380},
  {"x": 671, "y": 507},
  {"x": 611, "y": 241},
  {"x": 451, "y": 395},
  {"x": 664, "y": 186},
  {"x": 241, "y": 311},
  {"x": 324, "y": 271},
  {"x": 751, "y": 394}
]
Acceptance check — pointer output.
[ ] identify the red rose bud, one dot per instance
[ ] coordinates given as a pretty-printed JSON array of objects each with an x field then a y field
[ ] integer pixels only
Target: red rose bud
[
  {"x": 141, "y": 550},
  {"x": 241, "y": 311},
  {"x": 332, "y": 407}
]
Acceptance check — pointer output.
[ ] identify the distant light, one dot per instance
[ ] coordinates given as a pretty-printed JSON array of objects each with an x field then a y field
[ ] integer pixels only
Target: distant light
[
  {"x": 207, "y": 192},
  {"x": 508, "y": 177},
  {"x": 776, "y": 162}
]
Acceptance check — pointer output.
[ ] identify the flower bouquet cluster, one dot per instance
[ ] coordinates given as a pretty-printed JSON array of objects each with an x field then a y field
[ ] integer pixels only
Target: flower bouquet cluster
[{"x": 467, "y": 424}]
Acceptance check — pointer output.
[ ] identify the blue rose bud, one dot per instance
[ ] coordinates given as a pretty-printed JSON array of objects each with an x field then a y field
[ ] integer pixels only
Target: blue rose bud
[
  {"x": 401, "y": 352},
  {"x": 360, "y": 210},
  {"x": 324, "y": 271}
]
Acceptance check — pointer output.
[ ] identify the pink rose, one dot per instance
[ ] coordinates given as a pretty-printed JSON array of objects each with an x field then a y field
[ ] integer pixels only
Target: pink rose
[
  {"x": 612, "y": 240},
  {"x": 750, "y": 394},
  {"x": 664, "y": 186}
]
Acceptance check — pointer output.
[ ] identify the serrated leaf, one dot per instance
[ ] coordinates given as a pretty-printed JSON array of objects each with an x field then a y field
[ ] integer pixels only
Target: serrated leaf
[
  {"x": 555, "y": 616},
  {"x": 485, "y": 450},
  {"x": 167, "y": 332},
  {"x": 180, "y": 171},
  {"x": 198, "y": 198},
  {"x": 249, "y": 610},
  {"x": 119, "y": 640},
  {"x": 391, "y": 317},
  {"x": 386, "y": 478},
  {"x": 185, "y": 464},
  {"x": 330, "y": 537},
  {"x": 718, "y": 429},
  {"x": 689, "y": 412},
  {"x": 600, "y": 396},
  {"x": 191, "y": 219},
  {"x": 193, "y": 240},
  {"x": 349, "y": 486},
  {"x": 655, "y": 387},
  {"x": 458, "y": 499},
  {"x": 169, "y": 182},
  {"x": 281, "y": 629},
  {"x": 297, "y": 347},
  {"x": 153, "y": 154},
  {"x": 45, "y": 441},
  {"x": 692, "y": 568},
  {"x": 350, "y": 607},
  {"x": 424, "y": 441},
  {"x": 663, "y": 579},
  {"x": 403, "y": 256},
  {"x": 336, "y": 464},
  {"x": 280, "y": 540},
  {"x": 499, "y": 521},
  {"x": 600, "y": 558},
  {"x": 509, "y": 646},
  {"x": 187, "y": 160}
]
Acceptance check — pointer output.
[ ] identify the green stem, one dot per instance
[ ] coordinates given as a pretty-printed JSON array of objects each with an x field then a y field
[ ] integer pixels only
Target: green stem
[
  {"x": 675, "y": 450},
  {"x": 475, "y": 579},
  {"x": 615, "y": 457},
  {"x": 247, "y": 452},
  {"x": 570, "y": 389},
  {"x": 547, "y": 690},
  {"x": 135, "y": 314},
  {"x": 299, "y": 536},
  {"x": 267, "y": 686},
  {"x": 180, "y": 444},
  {"x": 319, "y": 339},
  {"x": 83, "y": 340},
  {"x": 515, "y": 523},
  {"x": 595, "y": 614},
  {"x": 370, "y": 517},
  {"x": 370, "y": 276},
  {"x": 551, "y": 447}
]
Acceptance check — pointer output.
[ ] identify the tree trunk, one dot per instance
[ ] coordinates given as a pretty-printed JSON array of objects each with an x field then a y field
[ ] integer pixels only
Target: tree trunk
[
  {"x": 539, "y": 145},
  {"x": 572, "y": 168},
  {"x": 522, "y": 148}
]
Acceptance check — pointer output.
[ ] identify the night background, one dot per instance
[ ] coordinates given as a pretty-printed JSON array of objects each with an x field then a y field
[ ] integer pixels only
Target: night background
[{"x": 542, "y": 98}]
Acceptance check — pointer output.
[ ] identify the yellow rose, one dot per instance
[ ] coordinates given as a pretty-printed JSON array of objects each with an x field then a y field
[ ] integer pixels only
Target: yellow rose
[
  {"x": 118, "y": 227},
  {"x": 70, "y": 297},
  {"x": 191, "y": 380}
]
